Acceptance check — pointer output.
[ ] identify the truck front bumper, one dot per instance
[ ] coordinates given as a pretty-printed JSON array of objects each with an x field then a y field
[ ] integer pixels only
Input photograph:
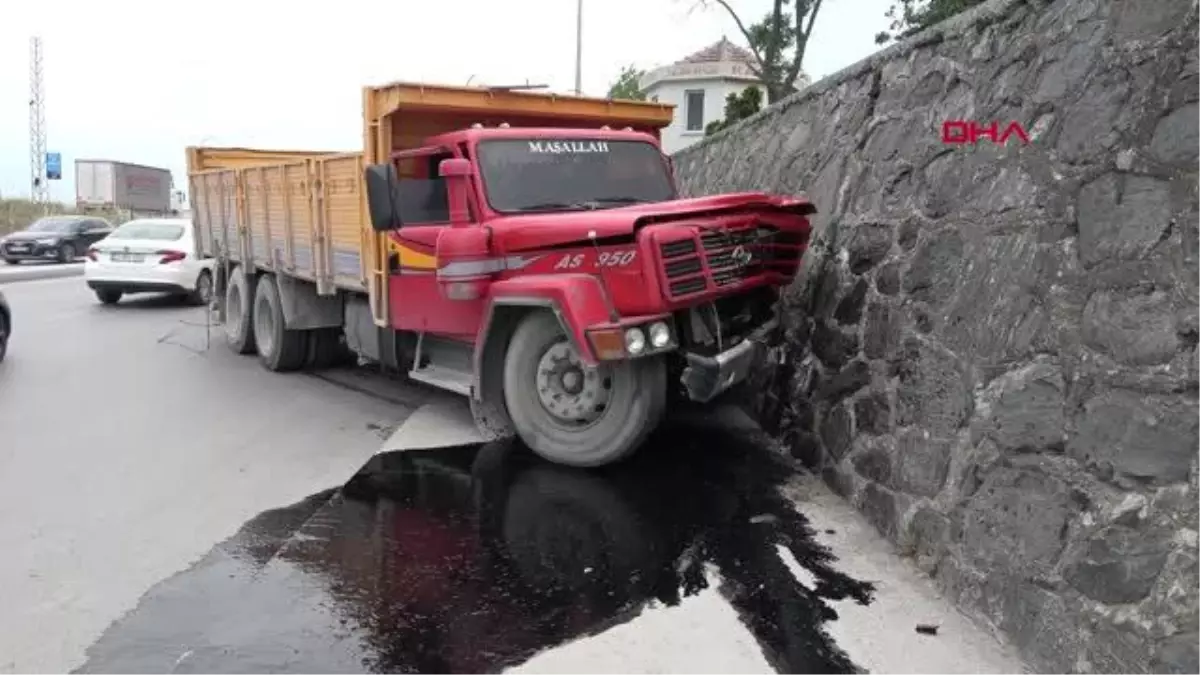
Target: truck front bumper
[{"x": 707, "y": 377}]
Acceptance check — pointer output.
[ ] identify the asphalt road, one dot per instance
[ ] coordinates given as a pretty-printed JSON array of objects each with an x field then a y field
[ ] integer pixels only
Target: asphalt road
[
  {"x": 170, "y": 508},
  {"x": 128, "y": 450}
]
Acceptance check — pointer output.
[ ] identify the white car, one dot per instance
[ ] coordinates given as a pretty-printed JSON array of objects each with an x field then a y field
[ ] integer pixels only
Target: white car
[{"x": 149, "y": 255}]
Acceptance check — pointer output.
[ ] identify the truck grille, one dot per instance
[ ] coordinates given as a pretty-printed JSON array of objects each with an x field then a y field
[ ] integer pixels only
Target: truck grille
[{"x": 731, "y": 256}]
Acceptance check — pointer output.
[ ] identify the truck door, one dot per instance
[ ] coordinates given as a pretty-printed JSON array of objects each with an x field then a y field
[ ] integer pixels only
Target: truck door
[{"x": 415, "y": 299}]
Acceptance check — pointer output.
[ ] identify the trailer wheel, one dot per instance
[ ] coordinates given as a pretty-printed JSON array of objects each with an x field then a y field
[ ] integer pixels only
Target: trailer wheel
[
  {"x": 279, "y": 348},
  {"x": 572, "y": 415},
  {"x": 239, "y": 301}
]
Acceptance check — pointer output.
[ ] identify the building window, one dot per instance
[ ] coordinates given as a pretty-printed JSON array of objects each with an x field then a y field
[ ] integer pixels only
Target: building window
[{"x": 694, "y": 107}]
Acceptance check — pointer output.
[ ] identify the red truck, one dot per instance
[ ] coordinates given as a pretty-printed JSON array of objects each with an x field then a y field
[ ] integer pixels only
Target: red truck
[{"x": 527, "y": 250}]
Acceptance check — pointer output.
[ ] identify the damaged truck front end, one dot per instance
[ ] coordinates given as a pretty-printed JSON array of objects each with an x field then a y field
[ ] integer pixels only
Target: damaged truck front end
[
  {"x": 721, "y": 276},
  {"x": 602, "y": 294}
]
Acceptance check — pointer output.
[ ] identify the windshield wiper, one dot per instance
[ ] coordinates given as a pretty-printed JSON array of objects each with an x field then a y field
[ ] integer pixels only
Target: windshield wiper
[
  {"x": 618, "y": 200},
  {"x": 552, "y": 206},
  {"x": 589, "y": 205}
]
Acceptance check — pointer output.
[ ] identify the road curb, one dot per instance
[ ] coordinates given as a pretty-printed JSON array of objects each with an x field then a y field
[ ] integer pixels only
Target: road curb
[{"x": 33, "y": 273}]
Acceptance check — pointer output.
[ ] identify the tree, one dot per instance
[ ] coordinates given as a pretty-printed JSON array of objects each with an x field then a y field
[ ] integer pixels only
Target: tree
[
  {"x": 737, "y": 108},
  {"x": 626, "y": 85},
  {"x": 778, "y": 42},
  {"x": 913, "y": 16}
]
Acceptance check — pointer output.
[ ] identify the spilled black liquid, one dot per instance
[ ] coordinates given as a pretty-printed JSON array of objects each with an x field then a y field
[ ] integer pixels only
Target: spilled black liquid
[{"x": 473, "y": 559}]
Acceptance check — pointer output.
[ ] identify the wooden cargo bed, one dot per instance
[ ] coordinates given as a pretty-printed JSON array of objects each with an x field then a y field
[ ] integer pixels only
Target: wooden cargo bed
[{"x": 301, "y": 217}]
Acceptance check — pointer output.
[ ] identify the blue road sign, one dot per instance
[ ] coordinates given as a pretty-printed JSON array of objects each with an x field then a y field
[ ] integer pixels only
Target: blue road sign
[{"x": 53, "y": 166}]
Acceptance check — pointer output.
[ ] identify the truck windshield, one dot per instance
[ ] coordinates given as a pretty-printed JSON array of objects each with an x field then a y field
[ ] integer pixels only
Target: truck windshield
[{"x": 530, "y": 175}]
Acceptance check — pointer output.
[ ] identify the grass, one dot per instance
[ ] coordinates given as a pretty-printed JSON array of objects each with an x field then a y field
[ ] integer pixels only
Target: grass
[{"x": 17, "y": 214}]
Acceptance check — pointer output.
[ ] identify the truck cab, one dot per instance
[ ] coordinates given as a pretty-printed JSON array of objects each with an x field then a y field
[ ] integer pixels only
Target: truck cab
[{"x": 584, "y": 289}]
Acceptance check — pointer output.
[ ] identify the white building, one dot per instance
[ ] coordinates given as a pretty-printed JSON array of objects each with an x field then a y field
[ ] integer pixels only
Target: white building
[{"x": 698, "y": 85}]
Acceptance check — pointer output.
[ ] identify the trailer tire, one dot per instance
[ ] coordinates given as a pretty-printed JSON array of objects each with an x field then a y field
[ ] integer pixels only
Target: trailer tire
[
  {"x": 279, "y": 348},
  {"x": 572, "y": 429},
  {"x": 239, "y": 311}
]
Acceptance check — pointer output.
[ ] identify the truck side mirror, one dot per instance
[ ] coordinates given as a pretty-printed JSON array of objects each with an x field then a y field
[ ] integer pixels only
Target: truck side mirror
[
  {"x": 455, "y": 167},
  {"x": 383, "y": 197}
]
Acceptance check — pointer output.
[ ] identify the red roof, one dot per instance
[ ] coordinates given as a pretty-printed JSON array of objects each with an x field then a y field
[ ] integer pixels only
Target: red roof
[{"x": 722, "y": 50}]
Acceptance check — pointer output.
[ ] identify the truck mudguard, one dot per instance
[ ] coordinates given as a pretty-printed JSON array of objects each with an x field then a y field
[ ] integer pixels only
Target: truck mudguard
[{"x": 579, "y": 301}]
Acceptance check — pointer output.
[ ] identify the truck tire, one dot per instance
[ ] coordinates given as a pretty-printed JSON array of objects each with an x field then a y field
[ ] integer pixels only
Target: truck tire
[
  {"x": 573, "y": 416},
  {"x": 239, "y": 314},
  {"x": 279, "y": 348}
]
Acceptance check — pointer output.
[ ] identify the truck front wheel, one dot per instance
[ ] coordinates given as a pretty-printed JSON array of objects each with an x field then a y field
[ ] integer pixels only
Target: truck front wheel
[{"x": 571, "y": 414}]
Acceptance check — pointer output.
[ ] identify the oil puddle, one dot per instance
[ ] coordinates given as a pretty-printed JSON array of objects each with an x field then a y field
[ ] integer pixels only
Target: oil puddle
[{"x": 476, "y": 558}]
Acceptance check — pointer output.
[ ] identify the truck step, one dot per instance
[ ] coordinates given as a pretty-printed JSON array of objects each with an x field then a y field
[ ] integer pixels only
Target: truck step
[{"x": 442, "y": 377}]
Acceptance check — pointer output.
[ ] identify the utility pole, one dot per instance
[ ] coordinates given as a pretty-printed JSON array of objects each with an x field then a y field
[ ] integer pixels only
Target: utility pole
[
  {"x": 39, "y": 187},
  {"x": 579, "y": 48}
]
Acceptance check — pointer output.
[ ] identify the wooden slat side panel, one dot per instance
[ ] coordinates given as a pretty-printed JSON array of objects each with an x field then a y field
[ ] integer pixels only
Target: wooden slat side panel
[
  {"x": 203, "y": 222},
  {"x": 229, "y": 223},
  {"x": 343, "y": 217},
  {"x": 299, "y": 214},
  {"x": 275, "y": 204},
  {"x": 209, "y": 159},
  {"x": 256, "y": 215}
]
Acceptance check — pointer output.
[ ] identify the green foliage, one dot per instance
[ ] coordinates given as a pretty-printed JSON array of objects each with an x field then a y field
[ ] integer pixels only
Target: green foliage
[
  {"x": 737, "y": 108},
  {"x": 17, "y": 214},
  {"x": 626, "y": 85},
  {"x": 913, "y": 16},
  {"x": 778, "y": 42}
]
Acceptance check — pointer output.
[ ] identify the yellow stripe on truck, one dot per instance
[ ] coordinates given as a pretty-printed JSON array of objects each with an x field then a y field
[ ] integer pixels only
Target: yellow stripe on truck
[{"x": 413, "y": 258}]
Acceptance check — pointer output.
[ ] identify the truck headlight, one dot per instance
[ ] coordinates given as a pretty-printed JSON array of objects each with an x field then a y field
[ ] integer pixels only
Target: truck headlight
[
  {"x": 635, "y": 341},
  {"x": 660, "y": 335}
]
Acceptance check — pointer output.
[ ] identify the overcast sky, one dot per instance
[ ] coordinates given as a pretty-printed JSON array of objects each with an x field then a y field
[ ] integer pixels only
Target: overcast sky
[{"x": 137, "y": 80}]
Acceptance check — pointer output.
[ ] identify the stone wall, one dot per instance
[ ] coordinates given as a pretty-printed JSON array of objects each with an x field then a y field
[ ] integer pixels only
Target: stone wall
[{"x": 992, "y": 350}]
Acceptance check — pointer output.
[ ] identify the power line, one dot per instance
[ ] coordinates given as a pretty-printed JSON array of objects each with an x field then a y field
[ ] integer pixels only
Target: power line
[{"x": 39, "y": 188}]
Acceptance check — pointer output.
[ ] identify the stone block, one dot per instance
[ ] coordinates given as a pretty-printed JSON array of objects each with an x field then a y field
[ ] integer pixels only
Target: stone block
[
  {"x": 837, "y": 432},
  {"x": 869, "y": 244},
  {"x": 874, "y": 463},
  {"x": 1121, "y": 217},
  {"x": 1016, "y": 521},
  {"x": 1177, "y": 654},
  {"x": 887, "y": 279},
  {"x": 881, "y": 333},
  {"x": 929, "y": 532},
  {"x": 1023, "y": 411},
  {"x": 933, "y": 271},
  {"x": 1177, "y": 136},
  {"x": 1118, "y": 564},
  {"x": 880, "y": 508},
  {"x": 873, "y": 413},
  {"x": 849, "y": 311},
  {"x": 1149, "y": 438},
  {"x": 1134, "y": 328},
  {"x": 921, "y": 463},
  {"x": 933, "y": 391},
  {"x": 854, "y": 376},
  {"x": 832, "y": 345}
]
